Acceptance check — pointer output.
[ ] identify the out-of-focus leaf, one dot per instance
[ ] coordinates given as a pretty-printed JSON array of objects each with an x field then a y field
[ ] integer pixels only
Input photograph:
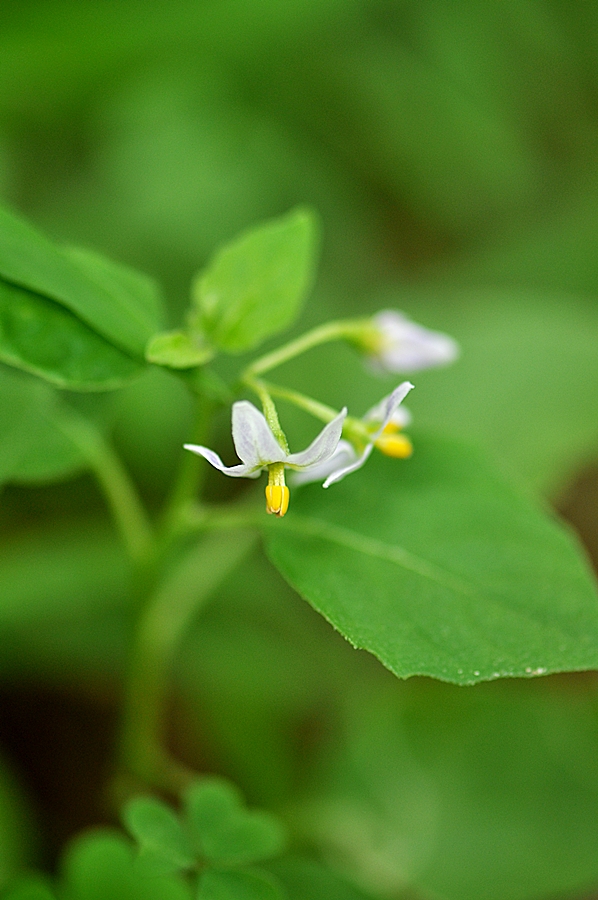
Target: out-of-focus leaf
[
  {"x": 254, "y": 287},
  {"x": 437, "y": 567},
  {"x": 526, "y": 385},
  {"x": 158, "y": 831},
  {"x": 30, "y": 888},
  {"x": 119, "y": 304},
  {"x": 42, "y": 337},
  {"x": 462, "y": 794},
  {"x": 177, "y": 350},
  {"x": 101, "y": 865},
  {"x": 240, "y": 885},
  {"x": 303, "y": 877},
  {"x": 33, "y": 448},
  {"x": 225, "y": 832}
]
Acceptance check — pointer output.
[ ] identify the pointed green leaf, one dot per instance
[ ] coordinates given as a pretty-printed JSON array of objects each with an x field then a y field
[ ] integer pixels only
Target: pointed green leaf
[
  {"x": 178, "y": 350},
  {"x": 118, "y": 303},
  {"x": 158, "y": 831},
  {"x": 42, "y": 337},
  {"x": 254, "y": 287},
  {"x": 241, "y": 885},
  {"x": 439, "y": 568}
]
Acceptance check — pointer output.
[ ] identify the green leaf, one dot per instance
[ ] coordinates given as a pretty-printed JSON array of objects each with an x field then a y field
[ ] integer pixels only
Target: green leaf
[
  {"x": 42, "y": 337},
  {"x": 241, "y": 885},
  {"x": 101, "y": 865},
  {"x": 118, "y": 303},
  {"x": 30, "y": 888},
  {"x": 225, "y": 832},
  {"x": 434, "y": 791},
  {"x": 254, "y": 287},
  {"x": 439, "y": 568},
  {"x": 178, "y": 350},
  {"x": 303, "y": 877},
  {"x": 32, "y": 447},
  {"x": 158, "y": 831}
]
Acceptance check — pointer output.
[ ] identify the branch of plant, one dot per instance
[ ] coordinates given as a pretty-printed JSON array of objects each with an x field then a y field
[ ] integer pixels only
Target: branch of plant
[
  {"x": 183, "y": 592},
  {"x": 127, "y": 509}
]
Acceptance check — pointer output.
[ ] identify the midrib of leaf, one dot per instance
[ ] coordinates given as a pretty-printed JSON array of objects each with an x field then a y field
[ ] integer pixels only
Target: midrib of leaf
[{"x": 353, "y": 540}]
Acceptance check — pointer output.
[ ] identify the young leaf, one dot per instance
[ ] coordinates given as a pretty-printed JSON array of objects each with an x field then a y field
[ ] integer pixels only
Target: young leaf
[
  {"x": 254, "y": 287},
  {"x": 241, "y": 885},
  {"x": 42, "y": 337},
  {"x": 225, "y": 832},
  {"x": 438, "y": 568},
  {"x": 177, "y": 350},
  {"x": 158, "y": 831},
  {"x": 118, "y": 303}
]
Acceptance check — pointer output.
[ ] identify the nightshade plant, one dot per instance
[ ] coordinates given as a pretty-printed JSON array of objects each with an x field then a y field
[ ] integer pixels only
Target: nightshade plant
[{"x": 424, "y": 556}]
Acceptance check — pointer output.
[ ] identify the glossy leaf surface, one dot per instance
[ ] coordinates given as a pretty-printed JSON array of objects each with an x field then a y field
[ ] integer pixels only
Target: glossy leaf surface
[{"x": 439, "y": 568}]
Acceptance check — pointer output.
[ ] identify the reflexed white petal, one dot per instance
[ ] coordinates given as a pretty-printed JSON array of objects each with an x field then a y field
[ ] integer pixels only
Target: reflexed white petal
[
  {"x": 343, "y": 456},
  {"x": 322, "y": 447},
  {"x": 386, "y": 411},
  {"x": 409, "y": 347},
  {"x": 253, "y": 439},
  {"x": 339, "y": 474},
  {"x": 244, "y": 471}
]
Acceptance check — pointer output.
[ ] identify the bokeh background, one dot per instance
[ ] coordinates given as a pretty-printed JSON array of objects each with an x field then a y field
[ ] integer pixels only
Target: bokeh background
[{"x": 451, "y": 151}]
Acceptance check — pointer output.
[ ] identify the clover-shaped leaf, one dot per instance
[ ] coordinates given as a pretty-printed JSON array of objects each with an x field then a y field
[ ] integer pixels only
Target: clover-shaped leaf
[
  {"x": 163, "y": 841},
  {"x": 243, "y": 884},
  {"x": 224, "y": 831}
]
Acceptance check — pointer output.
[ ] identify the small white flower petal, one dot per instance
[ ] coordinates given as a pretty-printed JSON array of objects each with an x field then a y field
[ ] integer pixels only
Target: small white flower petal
[
  {"x": 409, "y": 347},
  {"x": 244, "y": 471},
  {"x": 401, "y": 416},
  {"x": 343, "y": 456},
  {"x": 385, "y": 411},
  {"x": 322, "y": 447},
  {"x": 339, "y": 474},
  {"x": 252, "y": 436}
]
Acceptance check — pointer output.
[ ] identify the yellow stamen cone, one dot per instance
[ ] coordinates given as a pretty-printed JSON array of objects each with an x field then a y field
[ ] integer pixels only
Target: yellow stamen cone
[
  {"x": 277, "y": 499},
  {"x": 395, "y": 445}
]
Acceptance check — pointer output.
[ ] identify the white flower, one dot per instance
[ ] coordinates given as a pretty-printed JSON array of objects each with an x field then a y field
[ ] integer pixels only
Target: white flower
[
  {"x": 404, "y": 346},
  {"x": 382, "y": 422},
  {"x": 258, "y": 449}
]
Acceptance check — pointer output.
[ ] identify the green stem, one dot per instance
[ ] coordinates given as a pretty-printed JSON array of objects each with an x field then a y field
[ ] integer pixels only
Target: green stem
[
  {"x": 162, "y": 626},
  {"x": 350, "y": 329},
  {"x": 317, "y": 409},
  {"x": 119, "y": 490},
  {"x": 192, "y": 469}
]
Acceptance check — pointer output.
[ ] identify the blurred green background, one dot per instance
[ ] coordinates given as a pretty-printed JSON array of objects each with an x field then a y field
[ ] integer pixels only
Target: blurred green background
[{"x": 451, "y": 151}]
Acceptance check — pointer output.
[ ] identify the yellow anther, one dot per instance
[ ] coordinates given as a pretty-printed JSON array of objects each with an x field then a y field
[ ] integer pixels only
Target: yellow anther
[
  {"x": 277, "y": 499},
  {"x": 396, "y": 445},
  {"x": 391, "y": 428}
]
